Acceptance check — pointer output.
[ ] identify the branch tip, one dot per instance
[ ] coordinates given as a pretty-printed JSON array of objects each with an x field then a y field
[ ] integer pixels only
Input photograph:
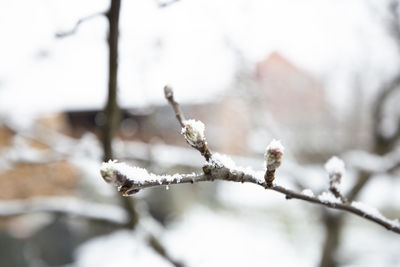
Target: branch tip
[
  {"x": 168, "y": 92},
  {"x": 273, "y": 157}
]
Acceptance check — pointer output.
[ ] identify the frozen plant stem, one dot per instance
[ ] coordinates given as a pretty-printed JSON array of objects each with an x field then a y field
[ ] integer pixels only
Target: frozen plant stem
[
  {"x": 192, "y": 130},
  {"x": 335, "y": 169},
  {"x": 131, "y": 180},
  {"x": 116, "y": 174}
]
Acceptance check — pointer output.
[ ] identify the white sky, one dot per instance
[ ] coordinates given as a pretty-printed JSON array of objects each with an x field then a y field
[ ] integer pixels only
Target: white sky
[{"x": 184, "y": 45}]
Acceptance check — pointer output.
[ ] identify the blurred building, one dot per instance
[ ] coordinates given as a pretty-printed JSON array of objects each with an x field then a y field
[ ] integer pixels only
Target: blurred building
[{"x": 292, "y": 95}]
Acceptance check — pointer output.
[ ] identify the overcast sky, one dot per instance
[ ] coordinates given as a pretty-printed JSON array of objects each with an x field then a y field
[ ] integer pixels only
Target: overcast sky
[{"x": 187, "y": 45}]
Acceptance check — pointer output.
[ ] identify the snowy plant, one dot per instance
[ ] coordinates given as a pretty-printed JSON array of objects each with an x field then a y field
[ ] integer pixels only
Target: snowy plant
[
  {"x": 194, "y": 133},
  {"x": 130, "y": 179},
  {"x": 335, "y": 169}
]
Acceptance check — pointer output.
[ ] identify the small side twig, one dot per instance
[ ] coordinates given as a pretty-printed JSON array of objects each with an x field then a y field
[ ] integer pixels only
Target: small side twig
[
  {"x": 169, "y": 95},
  {"x": 192, "y": 130},
  {"x": 163, "y": 4},
  {"x": 336, "y": 170},
  {"x": 78, "y": 23}
]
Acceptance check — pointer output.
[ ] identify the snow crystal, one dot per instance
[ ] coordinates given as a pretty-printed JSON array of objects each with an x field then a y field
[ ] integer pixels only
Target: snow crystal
[
  {"x": 308, "y": 192},
  {"x": 193, "y": 131},
  {"x": 328, "y": 197},
  {"x": 335, "y": 166},
  {"x": 196, "y": 125},
  {"x": 374, "y": 212},
  {"x": 138, "y": 175},
  {"x": 220, "y": 160},
  {"x": 276, "y": 145}
]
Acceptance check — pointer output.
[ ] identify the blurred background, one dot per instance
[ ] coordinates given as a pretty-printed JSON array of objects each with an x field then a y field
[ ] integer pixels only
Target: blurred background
[{"x": 81, "y": 82}]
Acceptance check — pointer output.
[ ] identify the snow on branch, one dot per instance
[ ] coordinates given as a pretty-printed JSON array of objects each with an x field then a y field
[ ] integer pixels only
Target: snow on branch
[
  {"x": 130, "y": 180},
  {"x": 273, "y": 157},
  {"x": 192, "y": 130},
  {"x": 335, "y": 169}
]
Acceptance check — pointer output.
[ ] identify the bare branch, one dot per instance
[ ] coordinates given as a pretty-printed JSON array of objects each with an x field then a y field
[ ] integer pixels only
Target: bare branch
[{"x": 78, "y": 23}]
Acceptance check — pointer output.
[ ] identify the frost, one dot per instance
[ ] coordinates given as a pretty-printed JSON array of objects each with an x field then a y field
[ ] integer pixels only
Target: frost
[
  {"x": 328, "y": 197},
  {"x": 276, "y": 145},
  {"x": 138, "y": 176},
  {"x": 220, "y": 161},
  {"x": 335, "y": 166},
  {"x": 193, "y": 131},
  {"x": 308, "y": 192},
  {"x": 274, "y": 154},
  {"x": 374, "y": 212}
]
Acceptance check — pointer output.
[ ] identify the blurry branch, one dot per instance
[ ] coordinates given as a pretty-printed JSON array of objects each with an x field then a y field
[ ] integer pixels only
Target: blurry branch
[
  {"x": 71, "y": 206},
  {"x": 393, "y": 22},
  {"x": 383, "y": 145},
  {"x": 112, "y": 115},
  {"x": 131, "y": 180},
  {"x": 385, "y": 142},
  {"x": 373, "y": 163},
  {"x": 64, "y": 205},
  {"x": 158, "y": 247},
  {"x": 163, "y": 4},
  {"x": 78, "y": 23}
]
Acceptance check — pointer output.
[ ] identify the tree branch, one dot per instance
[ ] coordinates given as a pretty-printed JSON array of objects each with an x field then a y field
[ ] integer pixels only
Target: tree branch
[
  {"x": 78, "y": 23},
  {"x": 117, "y": 173},
  {"x": 191, "y": 129},
  {"x": 131, "y": 180},
  {"x": 169, "y": 95}
]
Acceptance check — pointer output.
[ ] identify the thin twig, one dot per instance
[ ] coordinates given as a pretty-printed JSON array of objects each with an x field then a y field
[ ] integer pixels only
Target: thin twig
[
  {"x": 169, "y": 95},
  {"x": 338, "y": 194},
  {"x": 198, "y": 144},
  {"x": 226, "y": 174},
  {"x": 78, "y": 23},
  {"x": 162, "y": 4},
  {"x": 215, "y": 170}
]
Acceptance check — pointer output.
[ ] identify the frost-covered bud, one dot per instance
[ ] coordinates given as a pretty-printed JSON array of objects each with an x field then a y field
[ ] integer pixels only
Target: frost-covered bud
[
  {"x": 194, "y": 133},
  {"x": 274, "y": 154},
  {"x": 117, "y": 173},
  {"x": 273, "y": 157},
  {"x": 335, "y": 169}
]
